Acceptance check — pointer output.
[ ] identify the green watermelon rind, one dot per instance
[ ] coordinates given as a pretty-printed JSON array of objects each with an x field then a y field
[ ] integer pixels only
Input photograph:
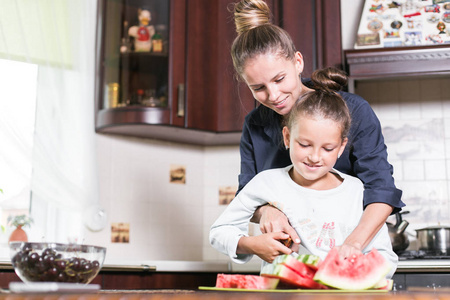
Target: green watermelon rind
[
  {"x": 340, "y": 281},
  {"x": 309, "y": 260}
]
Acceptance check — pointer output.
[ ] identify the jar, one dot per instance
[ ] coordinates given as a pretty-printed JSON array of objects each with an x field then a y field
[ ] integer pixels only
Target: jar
[{"x": 113, "y": 94}]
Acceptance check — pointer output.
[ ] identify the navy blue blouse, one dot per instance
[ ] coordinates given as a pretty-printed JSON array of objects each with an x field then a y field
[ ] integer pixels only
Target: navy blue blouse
[{"x": 365, "y": 155}]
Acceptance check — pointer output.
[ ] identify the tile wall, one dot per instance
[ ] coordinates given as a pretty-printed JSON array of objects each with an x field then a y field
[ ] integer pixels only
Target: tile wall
[
  {"x": 171, "y": 221},
  {"x": 167, "y": 221},
  {"x": 415, "y": 117}
]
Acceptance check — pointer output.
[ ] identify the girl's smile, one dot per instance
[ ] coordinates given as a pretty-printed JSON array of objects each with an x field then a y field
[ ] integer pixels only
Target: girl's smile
[{"x": 315, "y": 144}]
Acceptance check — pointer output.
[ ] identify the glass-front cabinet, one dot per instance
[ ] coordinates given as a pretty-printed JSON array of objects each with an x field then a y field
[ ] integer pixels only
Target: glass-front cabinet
[{"x": 138, "y": 47}]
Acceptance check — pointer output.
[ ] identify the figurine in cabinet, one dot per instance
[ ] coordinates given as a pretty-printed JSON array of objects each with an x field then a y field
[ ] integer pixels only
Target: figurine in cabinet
[{"x": 143, "y": 33}]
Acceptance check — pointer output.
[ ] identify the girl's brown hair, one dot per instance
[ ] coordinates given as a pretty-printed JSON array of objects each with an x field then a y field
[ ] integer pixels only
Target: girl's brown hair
[
  {"x": 324, "y": 101},
  {"x": 257, "y": 35}
]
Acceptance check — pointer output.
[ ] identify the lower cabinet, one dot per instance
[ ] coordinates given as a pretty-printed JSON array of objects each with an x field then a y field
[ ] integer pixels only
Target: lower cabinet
[
  {"x": 192, "y": 280},
  {"x": 404, "y": 281},
  {"x": 156, "y": 280},
  {"x": 137, "y": 280}
]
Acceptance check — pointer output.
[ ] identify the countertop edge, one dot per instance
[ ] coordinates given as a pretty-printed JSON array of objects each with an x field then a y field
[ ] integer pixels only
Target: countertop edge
[{"x": 410, "y": 266}]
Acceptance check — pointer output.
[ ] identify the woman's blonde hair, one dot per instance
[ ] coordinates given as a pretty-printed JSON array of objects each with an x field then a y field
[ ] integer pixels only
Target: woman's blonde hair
[
  {"x": 323, "y": 101},
  {"x": 257, "y": 35}
]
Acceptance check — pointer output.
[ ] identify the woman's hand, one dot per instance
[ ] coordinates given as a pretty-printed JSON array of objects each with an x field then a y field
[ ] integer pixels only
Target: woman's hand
[
  {"x": 347, "y": 250},
  {"x": 373, "y": 218},
  {"x": 271, "y": 219},
  {"x": 267, "y": 245}
]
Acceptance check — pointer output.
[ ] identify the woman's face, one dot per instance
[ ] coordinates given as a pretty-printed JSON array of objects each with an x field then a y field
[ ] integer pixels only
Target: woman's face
[
  {"x": 275, "y": 81},
  {"x": 315, "y": 145}
]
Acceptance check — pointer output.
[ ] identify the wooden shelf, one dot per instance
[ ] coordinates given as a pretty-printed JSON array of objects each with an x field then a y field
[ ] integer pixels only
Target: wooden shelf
[
  {"x": 404, "y": 61},
  {"x": 363, "y": 64}
]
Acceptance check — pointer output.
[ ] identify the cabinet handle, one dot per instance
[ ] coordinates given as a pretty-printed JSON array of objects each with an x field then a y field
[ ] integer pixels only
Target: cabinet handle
[{"x": 180, "y": 111}]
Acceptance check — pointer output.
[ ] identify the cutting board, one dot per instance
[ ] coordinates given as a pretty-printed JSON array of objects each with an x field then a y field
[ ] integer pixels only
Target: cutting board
[{"x": 205, "y": 288}]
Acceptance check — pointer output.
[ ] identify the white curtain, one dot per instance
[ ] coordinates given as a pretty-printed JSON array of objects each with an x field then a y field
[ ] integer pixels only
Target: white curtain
[
  {"x": 59, "y": 36},
  {"x": 17, "y": 119}
]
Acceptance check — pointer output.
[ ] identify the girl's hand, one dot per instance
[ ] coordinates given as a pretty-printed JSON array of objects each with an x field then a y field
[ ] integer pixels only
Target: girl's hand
[
  {"x": 267, "y": 245},
  {"x": 273, "y": 220}
]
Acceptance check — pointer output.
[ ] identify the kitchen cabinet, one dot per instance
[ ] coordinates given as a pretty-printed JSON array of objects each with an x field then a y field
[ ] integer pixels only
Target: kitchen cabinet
[
  {"x": 314, "y": 26},
  {"x": 191, "y": 80},
  {"x": 432, "y": 281},
  {"x": 188, "y": 92}
]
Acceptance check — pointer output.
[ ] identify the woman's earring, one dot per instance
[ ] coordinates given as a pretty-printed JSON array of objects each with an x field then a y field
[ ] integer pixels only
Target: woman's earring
[
  {"x": 287, "y": 147},
  {"x": 339, "y": 156}
]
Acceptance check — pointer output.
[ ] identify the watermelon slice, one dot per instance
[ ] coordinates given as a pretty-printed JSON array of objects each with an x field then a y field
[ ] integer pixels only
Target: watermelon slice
[
  {"x": 251, "y": 282},
  {"x": 360, "y": 272},
  {"x": 290, "y": 277}
]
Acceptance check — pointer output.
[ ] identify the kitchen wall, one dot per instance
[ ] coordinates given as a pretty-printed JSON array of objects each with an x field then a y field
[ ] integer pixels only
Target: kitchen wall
[
  {"x": 415, "y": 117},
  {"x": 168, "y": 221}
]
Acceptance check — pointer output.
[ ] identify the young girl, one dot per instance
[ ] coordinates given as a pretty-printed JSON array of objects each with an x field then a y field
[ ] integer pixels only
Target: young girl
[
  {"x": 322, "y": 204},
  {"x": 266, "y": 59}
]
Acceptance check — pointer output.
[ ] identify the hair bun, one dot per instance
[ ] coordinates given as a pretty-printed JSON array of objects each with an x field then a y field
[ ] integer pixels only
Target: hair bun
[
  {"x": 249, "y": 14},
  {"x": 329, "y": 79}
]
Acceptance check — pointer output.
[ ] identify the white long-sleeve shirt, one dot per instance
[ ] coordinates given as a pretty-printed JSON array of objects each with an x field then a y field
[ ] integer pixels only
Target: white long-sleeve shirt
[{"x": 323, "y": 219}]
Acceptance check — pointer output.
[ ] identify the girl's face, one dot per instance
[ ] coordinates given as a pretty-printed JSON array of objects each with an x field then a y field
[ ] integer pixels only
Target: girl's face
[
  {"x": 315, "y": 144},
  {"x": 275, "y": 81}
]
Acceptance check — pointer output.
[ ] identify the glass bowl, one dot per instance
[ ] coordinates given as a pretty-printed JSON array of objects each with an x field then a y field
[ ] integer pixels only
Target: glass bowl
[{"x": 54, "y": 262}]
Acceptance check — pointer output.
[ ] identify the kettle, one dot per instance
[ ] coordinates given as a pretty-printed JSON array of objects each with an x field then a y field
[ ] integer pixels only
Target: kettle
[{"x": 399, "y": 239}]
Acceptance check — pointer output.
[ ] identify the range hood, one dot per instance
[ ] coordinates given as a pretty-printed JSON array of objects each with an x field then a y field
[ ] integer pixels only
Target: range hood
[{"x": 362, "y": 64}]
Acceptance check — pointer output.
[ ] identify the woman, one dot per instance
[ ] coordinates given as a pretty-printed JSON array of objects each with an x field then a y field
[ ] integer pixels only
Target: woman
[
  {"x": 322, "y": 204},
  {"x": 265, "y": 57}
]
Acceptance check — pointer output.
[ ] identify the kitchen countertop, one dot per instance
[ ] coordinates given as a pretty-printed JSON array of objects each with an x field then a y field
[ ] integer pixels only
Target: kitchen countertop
[
  {"x": 406, "y": 266},
  {"x": 189, "y": 294}
]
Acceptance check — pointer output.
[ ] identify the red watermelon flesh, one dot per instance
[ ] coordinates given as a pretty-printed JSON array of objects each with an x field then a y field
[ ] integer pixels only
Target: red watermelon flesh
[
  {"x": 290, "y": 277},
  {"x": 360, "y": 272},
  {"x": 241, "y": 281}
]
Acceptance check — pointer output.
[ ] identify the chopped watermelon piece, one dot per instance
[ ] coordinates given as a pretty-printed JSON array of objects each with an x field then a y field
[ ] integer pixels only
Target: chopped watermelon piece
[
  {"x": 290, "y": 277},
  {"x": 251, "y": 282},
  {"x": 295, "y": 265},
  {"x": 360, "y": 272},
  {"x": 311, "y": 260},
  {"x": 384, "y": 284}
]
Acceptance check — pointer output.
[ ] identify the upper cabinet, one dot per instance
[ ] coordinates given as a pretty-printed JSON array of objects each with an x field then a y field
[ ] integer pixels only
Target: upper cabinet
[
  {"x": 164, "y": 68},
  {"x": 141, "y": 65},
  {"x": 315, "y": 27}
]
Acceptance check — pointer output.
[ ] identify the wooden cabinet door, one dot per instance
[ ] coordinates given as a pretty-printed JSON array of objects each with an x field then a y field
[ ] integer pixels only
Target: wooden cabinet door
[
  {"x": 215, "y": 100},
  {"x": 315, "y": 27},
  {"x": 177, "y": 63}
]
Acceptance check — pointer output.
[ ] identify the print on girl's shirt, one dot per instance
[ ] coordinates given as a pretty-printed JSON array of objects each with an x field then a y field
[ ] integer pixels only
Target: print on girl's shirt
[
  {"x": 308, "y": 229},
  {"x": 326, "y": 236}
]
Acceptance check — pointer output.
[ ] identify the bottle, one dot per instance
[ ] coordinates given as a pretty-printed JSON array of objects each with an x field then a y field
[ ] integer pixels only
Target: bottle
[
  {"x": 157, "y": 43},
  {"x": 125, "y": 45}
]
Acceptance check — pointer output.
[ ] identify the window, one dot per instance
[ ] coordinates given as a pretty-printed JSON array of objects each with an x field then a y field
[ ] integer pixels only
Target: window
[{"x": 18, "y": 82}]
